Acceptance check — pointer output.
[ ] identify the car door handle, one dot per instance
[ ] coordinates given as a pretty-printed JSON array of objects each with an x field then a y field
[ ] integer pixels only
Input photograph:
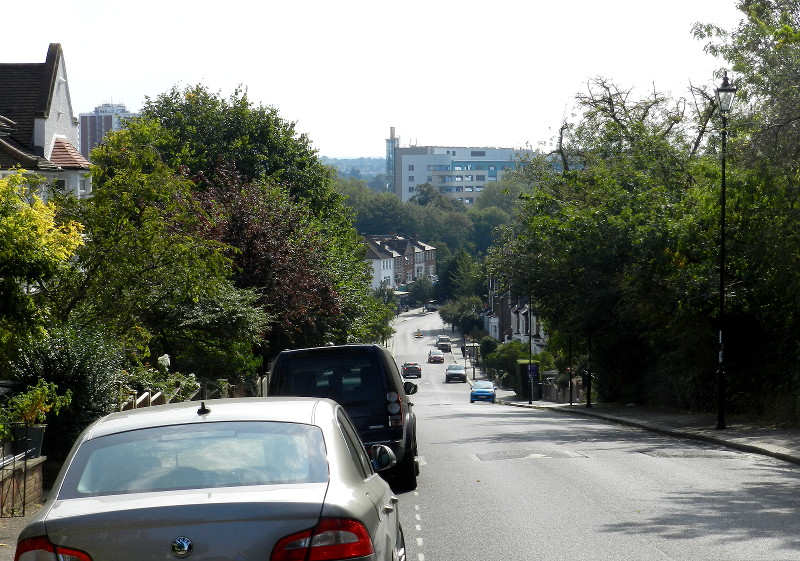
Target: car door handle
[{"x": 389, "y": 507}]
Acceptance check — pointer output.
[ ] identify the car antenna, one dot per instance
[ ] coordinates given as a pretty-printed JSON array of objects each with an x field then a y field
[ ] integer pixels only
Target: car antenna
[{"x": 203, "y": 409}]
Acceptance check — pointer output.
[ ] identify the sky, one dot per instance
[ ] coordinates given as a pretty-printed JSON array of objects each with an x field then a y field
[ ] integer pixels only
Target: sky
[{"x": 442, "y": 72}]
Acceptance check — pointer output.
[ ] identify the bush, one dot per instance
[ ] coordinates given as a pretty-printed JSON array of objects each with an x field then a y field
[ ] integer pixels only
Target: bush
[{"x": 82, "y": 361}]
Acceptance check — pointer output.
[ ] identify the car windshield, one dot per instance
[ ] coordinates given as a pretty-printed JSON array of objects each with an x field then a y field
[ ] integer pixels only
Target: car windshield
[
  {"x": 483, "y": 385},
  {"x": 354, "y": 379},
  {"x": 455, "y": 367},
  {"x": 197, "y": 456}
]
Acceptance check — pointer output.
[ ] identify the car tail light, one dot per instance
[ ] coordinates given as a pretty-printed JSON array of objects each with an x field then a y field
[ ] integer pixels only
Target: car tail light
[
  {"x": 395, "y": 408},
  {"x": 332, "y": 538},
  {"x": 40, "y": 549}
]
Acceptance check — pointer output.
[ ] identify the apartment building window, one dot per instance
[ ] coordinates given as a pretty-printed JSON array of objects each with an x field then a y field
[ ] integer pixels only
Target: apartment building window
[
  {"x": 467, "y": 178},
  {"x": 480, "y": 178},
  {"x": 411, "y": 167},
  {"x": 492, "y": 168},
  {"x": 478, "y": 153},
  {"x": 468, "y": 188},
  {"x": 430, "y": 179},
  {"x": 479, "y": 166},
  {"x": 411, "y": 179}
]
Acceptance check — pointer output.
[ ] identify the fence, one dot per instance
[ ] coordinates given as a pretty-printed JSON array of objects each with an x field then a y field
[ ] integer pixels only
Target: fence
[
  {"x": 20, "y": 471},
  {"x": 136, "y": 400}
]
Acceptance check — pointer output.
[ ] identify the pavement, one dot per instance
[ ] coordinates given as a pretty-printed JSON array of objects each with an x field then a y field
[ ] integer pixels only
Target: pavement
[{"x": 746, "y": 435}]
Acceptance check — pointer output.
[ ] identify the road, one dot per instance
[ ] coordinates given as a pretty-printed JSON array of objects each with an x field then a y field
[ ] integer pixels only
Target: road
[{"x": 501, "y": 482}]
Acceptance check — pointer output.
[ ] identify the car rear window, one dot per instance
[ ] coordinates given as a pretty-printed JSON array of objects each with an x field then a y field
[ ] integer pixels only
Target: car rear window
[
  {"x": 197, "y": 456},
  {"x": 348, "y": 378}
]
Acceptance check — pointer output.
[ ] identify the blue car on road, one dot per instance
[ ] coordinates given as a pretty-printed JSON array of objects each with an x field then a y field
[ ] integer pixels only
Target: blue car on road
[{"x": 482, "y": 390}]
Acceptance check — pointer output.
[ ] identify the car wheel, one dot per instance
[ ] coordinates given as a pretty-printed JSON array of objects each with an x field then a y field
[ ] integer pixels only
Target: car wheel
[
  {"x": 405, "y": 473},
  {"x": 472, "y": 401}
]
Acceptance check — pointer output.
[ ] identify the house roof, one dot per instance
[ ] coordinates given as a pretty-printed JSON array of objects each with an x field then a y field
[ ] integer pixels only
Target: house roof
[
  {"x": 27, "y": 92},
  {"x": 66, "y": 156}
]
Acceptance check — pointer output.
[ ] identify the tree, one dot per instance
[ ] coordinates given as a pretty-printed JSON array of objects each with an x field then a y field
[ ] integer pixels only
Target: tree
[
  {"x": 208, "y": 135},
  {"x": 207, "y": 131},
  {"x": 421, "y": 290},
  {"x": 614, "y": 246},
  {"x": 280, "y": 257},
  {"x": 35, "y": 244},
  {"x": 764, "y": 197},
  {"x": 485, "y": 222},
  {"x": 147, "y": 275}
]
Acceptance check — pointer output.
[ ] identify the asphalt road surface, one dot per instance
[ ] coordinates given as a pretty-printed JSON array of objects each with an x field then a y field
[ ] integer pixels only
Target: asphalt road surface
[{"x": 500, "y": 482}]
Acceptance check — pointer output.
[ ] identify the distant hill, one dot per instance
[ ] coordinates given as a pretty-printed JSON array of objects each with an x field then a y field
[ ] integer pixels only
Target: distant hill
[{"x": 363, "y": 168}]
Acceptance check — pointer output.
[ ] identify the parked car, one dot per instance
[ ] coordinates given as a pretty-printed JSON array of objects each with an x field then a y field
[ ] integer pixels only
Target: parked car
[
  {"x": 245, "y": 478},
  {"x": 435, "y": 355},
  {"x": 366, "y": 381},
  {"x": 455, "y": 372},
  {"x": 482, "y": 390},
  {"x": 410, "y": 369},
  {"x": 443, "y": 343}
]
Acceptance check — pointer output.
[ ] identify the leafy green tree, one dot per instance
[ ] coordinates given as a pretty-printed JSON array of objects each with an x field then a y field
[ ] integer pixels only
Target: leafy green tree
[
  {"x": 207, "y": 131},
  {"x": 208, "y": 135},
  {"x": 504, "y": 195},
  {"x": 485, "y": 222},
  {"x": 611, "y": 245},
  {"x": 421, "y": 290},
  {"x": 148, "y": 275},
  {"x": 35, "y": 244},
  {"x": 764, "y": 195}
]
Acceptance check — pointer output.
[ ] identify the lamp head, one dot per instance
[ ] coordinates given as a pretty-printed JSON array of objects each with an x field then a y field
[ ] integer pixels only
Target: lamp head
[{"x": 725, "y": 94}]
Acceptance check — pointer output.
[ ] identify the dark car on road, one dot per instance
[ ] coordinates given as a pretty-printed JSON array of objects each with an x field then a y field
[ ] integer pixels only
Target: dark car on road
[
  {"x": 365, "y": 380},
  {"x": 455, "y": 372},
  {"x": 411, "y": 369}
]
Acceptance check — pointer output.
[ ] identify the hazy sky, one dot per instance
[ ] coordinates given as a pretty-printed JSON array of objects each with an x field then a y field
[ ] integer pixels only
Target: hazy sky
[{"x": 442, "y": 72}]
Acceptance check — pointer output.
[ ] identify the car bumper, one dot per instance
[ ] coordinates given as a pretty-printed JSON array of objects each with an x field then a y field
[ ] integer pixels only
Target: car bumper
[
  {"x": 459, "y": 378},
  {"x": 481, "y": 397}
]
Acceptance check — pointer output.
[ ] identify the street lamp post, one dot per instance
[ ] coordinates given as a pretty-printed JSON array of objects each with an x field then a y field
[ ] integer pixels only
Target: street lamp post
[{"x": 725, "y": 94}]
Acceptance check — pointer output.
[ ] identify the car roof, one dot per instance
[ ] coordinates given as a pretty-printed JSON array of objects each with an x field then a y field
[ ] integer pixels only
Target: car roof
[{"x": 280, "y": 409}]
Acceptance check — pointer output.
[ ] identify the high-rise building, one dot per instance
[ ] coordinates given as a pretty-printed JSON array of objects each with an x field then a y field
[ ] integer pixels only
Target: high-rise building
[
  {"x": 457, "y": 172},
  {"x": 94, "y": 126}
]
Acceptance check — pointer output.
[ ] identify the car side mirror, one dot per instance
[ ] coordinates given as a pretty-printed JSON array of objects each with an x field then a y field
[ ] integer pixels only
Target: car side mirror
[
  {"x": 382, "y": 457},
  {"x": 410, "y": 388}
]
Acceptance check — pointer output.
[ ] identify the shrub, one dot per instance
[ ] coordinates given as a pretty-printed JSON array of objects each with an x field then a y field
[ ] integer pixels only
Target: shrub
[{"x": 82, "y": 361}]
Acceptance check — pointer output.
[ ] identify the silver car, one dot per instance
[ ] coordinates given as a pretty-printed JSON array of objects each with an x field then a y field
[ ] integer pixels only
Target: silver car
[{"x": 262, "y": 479}]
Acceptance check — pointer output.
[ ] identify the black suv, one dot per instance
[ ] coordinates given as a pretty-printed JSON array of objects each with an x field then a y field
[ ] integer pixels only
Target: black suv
[{"x": 365, "y": 380}]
